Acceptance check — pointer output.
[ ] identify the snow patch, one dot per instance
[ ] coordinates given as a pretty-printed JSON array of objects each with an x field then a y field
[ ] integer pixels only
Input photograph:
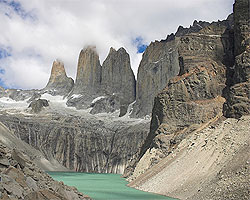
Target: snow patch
[
  {"x": 74, "y": 96},
  {"x": 51, "y": 98},
  {"x": 6, "y": 102},
  {"x": 97, "y": 99}
]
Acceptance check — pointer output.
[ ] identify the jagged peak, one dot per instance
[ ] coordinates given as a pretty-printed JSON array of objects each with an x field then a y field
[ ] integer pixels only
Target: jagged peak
[
  {"x": 57, "y": 69},
  {"x": 122, "y": 49},
  {"x": 89, "y": 49},
  {"x": 57, "y": 72},
  {"x": 112, "y": 49}
]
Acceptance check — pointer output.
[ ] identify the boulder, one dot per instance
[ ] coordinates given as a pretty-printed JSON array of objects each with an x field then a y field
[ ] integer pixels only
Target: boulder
[
  {"x": 107, "y": 104},
  {"x": 37, "y": 105}
]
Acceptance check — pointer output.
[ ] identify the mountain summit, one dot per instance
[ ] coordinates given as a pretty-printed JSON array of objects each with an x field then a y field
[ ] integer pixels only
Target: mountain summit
[{"x": 59, "y": 83}]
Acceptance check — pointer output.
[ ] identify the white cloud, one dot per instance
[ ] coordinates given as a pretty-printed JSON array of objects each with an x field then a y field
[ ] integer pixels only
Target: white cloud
[{"x": 55, "y": 29}]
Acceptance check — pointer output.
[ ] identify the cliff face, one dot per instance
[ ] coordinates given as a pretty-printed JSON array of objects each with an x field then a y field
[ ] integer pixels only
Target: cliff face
[
  {"x": 237, "y": 93},
  {"x": 59, "y": 83},
  {"x": 193, "y": 97},
  {"x": 159, "y": 63},
  {"x": 80, "y": 143},
  {"x": 88, "y": 78},
  {"x": 187, "y": 118},
  {"x": 118, "y": 77},
  {"x": 177, "y": 55},
  {"x": 115, "y": 79}
]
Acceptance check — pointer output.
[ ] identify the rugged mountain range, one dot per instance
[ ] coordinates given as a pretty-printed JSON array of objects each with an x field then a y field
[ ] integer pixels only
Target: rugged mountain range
[
  {"x": 190, "y": 82},
  {"x": 213, "y": 82}
]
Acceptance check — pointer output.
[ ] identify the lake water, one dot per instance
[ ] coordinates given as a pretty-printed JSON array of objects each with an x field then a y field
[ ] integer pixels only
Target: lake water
[{"x": 104, "y": 186}]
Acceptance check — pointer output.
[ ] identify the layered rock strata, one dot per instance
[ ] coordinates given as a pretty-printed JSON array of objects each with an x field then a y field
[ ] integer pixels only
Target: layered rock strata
[
  {"x": 59, "y": 83},
  {"x": 192, "y": 98},
  {"x": 177, "y": 55},
  {"x": 237, "y": 93}
]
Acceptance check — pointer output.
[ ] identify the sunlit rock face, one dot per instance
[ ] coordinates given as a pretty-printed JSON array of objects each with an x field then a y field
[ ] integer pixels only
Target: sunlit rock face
[
  {"x": 59, "y": 83},
  {"x": 88, "y": 78}
]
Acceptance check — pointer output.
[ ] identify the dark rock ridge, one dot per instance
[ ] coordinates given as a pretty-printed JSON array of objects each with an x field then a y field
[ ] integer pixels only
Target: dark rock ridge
[
  {"x": 192, "y": 103},
  {"x": 193, "y": 96},
  {"x": 118, "y": 77},
  {"x": 201, "y": 43},
  {"x": 81, "y": 143},
  {"x": 59, "y": 83},
  {"x": 18, "y": 95},
  {"x": 237, "y": 94},
  {"x": 107, "y": 104}
]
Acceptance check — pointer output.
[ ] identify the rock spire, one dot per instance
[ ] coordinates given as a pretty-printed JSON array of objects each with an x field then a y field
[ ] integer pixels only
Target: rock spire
[
  {"x": 88, "y": 78},
  {"x": 59, "y": 83},
  {"x": 117, "y": 75}
]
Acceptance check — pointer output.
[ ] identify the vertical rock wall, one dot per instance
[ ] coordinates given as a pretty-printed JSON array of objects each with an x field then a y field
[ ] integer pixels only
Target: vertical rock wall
[
  {"x": 88, "y": 78},
  {"x": 117, "y": 75},
  {"x": 237, "y": 93}
]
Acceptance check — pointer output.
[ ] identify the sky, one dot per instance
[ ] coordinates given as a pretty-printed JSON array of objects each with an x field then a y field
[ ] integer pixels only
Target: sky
[{"x": 34, "y": 33}]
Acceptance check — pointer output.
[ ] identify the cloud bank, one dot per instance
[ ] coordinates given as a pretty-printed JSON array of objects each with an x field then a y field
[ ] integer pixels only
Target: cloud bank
[{"x": 34, "y": 33}]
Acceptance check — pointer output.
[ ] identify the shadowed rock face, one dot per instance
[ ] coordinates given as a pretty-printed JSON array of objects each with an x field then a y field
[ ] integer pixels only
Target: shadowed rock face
[
  {"x": 88, "y": 78},
  {"x": 159, "y": 63},
  {"x": 237, "y": 93},
  {"x": 190, "y": 99},
  {"x": 171, "y": 57},
  {"x": 118, "y": 77},
  {"x": 59, "y": 83}
]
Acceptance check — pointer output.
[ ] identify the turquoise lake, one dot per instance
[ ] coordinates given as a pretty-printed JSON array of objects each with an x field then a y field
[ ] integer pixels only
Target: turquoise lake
[{"x": 103, "y": 186}]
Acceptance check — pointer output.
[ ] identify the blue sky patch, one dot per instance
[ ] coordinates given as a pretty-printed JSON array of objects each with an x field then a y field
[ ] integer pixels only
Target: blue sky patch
[
  {"x": 5, "y": 52},
  {"x": 139, "y": 43},
  {"x": 16, "y": 7}
]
